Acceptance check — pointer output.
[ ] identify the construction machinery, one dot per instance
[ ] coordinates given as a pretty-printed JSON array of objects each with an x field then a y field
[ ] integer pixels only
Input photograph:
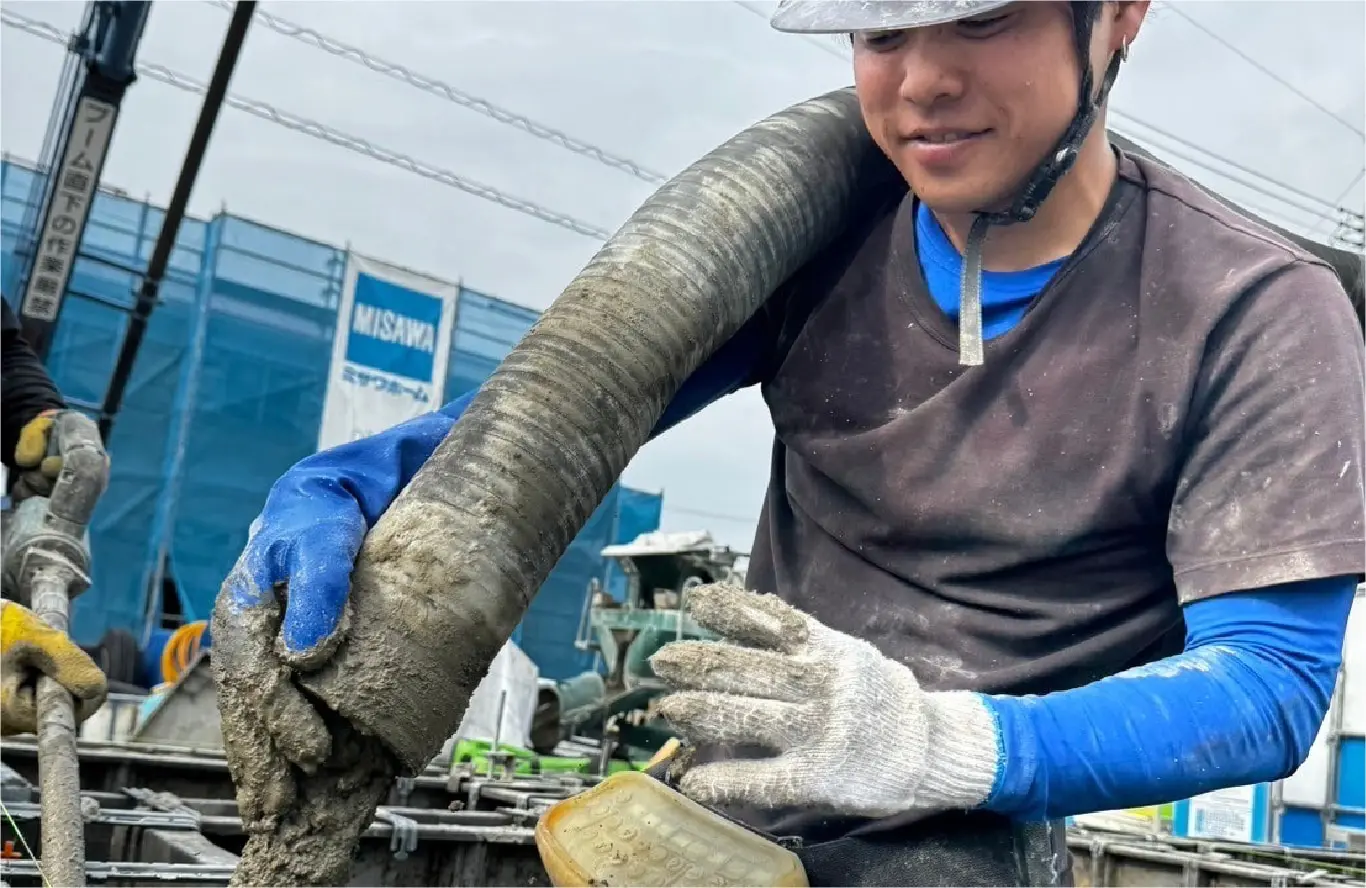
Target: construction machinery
[{"x": 653, "y": 575}]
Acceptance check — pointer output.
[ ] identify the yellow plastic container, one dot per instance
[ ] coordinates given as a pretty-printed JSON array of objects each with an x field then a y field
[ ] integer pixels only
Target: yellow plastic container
[{"x": 631, "y": 830}]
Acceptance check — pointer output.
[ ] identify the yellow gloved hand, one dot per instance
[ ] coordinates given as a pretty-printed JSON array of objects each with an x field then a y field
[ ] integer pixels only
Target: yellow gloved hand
[
  {"x": 28, "y": 646},
  {"x": 38, "y": 461}
]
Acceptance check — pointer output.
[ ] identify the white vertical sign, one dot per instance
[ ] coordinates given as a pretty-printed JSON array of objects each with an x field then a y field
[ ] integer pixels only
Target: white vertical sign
[
  {"x": 74, "y": 182},
  {"x": 391, "y": 350}
]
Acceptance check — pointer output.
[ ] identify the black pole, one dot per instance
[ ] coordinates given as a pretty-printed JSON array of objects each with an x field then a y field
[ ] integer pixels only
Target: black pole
[{"x": 175, "y": 212}]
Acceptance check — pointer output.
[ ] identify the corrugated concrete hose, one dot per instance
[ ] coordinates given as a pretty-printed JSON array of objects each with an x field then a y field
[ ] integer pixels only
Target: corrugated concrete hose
[{"x": 447, "y": 573}]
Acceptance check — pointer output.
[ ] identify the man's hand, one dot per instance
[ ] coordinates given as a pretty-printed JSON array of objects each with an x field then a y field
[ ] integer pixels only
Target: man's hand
[
  {"x": 29, "y": 647},
  {"x": 284, "y": 607},
  {"x": 36, "y": 456},
  {"x": 294, "y": 574},
  {"x": 852, "y": 731}
]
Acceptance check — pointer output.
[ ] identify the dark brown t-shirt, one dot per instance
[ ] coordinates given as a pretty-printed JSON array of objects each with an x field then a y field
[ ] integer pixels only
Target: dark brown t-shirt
[{"x": 1179, "y": 414}]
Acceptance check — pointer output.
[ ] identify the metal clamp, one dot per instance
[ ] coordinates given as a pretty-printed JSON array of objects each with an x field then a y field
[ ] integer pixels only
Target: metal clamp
[
  {"x": 474, "y": 791},
  {"x": 402, "y": 835},
  {"x": 1097, "y": 846},
  {"x": 403, "y": 789}
]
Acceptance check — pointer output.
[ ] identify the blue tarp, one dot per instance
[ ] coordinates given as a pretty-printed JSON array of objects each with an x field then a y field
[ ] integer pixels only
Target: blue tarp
[{"x": 227, "y": 393}]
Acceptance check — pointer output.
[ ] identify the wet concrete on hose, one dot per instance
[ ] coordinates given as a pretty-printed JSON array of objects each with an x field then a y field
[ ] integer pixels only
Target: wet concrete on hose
[
  {"x": 309, "y": 771},
  {"x": 429, "y": 614},
  {"x": 316, "y": 836},
  {"x": 303, "y": 827}
]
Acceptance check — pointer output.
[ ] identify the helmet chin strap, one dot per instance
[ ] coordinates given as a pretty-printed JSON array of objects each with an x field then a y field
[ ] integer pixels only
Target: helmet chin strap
[{"x": 971, "y": 348}]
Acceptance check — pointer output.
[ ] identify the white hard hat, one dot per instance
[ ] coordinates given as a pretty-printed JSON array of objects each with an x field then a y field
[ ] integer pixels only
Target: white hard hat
[{"x": 845, "y": 16}]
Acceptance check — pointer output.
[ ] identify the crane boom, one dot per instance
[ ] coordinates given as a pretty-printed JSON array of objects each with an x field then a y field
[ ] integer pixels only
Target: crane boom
[{"x": 105, "y": 52}]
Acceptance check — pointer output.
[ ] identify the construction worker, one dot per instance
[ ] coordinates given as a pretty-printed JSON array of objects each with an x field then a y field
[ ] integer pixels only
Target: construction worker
[
  {"x": 1065, "y": 511},
  {"x": 28, "y": 646}
]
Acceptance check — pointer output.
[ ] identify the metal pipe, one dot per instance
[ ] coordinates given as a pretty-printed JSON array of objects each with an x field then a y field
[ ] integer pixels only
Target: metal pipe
[
  {"x": 54, "y": 564},
  {"x": 175, "y": 211},
  {"x": 498, "y": 729},
  {"x": 58, "y": 765}
]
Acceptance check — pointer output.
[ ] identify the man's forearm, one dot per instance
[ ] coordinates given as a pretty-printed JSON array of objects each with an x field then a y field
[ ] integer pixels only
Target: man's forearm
[{"x": 1241, "y": 705}]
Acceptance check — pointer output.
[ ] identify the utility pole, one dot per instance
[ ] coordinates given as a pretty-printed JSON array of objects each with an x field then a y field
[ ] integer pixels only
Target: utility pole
[
  {"x": 1351, "y": 230},
  {"x": 146, "y": 299}
]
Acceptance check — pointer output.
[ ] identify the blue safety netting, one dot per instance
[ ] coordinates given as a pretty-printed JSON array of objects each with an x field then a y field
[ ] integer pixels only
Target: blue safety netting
[
  {"x": 227, "y": 393},
  {"x": 562, "y": 603}
]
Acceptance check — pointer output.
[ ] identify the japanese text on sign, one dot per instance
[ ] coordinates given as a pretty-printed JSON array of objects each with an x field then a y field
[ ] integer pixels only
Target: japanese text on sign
[
  {"x": 74, "y": 184},
  {"x": 356, "y": 376}
]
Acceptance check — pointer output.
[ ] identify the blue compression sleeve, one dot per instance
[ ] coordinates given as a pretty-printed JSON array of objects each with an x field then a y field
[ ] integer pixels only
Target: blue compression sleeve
[{"x": 1240, "y": 705}]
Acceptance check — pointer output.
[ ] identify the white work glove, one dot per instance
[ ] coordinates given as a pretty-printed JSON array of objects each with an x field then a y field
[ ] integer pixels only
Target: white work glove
[{"x": 853, "y": 732}]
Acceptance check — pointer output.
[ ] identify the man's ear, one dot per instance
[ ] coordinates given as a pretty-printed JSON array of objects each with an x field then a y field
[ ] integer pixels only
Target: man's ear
[{"x": 1128, "y": 18}]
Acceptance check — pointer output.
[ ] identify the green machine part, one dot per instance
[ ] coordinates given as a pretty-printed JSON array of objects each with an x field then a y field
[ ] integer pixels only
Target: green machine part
[
  {"x": 474, "y": 754},
  {"x": 637, "y": 662},
  {"x": 585, "y": 702}
]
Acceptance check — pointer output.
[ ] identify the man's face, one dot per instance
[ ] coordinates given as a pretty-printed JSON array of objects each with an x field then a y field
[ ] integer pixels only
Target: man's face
[{"x": 966, "y": 110}]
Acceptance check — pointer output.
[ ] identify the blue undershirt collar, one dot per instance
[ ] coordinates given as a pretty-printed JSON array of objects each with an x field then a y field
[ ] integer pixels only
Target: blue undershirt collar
[{"x": 1005, "y": 294}]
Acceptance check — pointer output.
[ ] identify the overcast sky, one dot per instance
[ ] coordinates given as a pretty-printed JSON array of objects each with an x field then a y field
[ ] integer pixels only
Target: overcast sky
[{"x": 658, "y": 82}]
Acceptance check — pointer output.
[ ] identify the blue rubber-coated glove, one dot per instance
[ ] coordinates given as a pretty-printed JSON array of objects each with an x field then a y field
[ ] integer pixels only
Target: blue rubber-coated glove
[{"x": 284, "y": 606}]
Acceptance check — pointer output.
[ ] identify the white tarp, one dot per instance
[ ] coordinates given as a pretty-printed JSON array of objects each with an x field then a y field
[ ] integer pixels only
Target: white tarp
[
  {"x": 657, "y": 542},
  {"x": 512, "y": 673},
  {"x": 390, "y": 352}
]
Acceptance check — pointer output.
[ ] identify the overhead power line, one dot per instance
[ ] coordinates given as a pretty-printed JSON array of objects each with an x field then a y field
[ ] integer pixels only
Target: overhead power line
[
  {"x": 395, "y": 71},
  {"x": 1226, "y": 161},
  {"x": 326, "y": 133},
  {"x": 1356, "y": 180},
  {"x": 714, "y": 516},
  {"x": 1317, "y": 206},
  {"x": 1264, "y": 69}
]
